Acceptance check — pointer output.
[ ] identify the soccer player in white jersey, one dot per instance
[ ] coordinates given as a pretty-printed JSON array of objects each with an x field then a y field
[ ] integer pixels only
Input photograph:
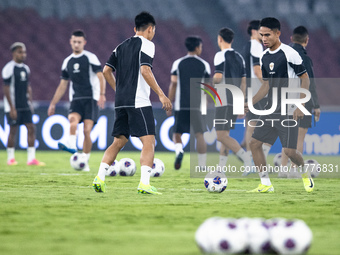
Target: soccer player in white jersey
[
  {"x": 187, "y": 113},
  {"x": 83, "y": 71},
  {"x": 18, "y": 103},
  {"x": 132, "y": 61},
  {"x": 281, "y": 67},
  {"x": 229, "y": 69}
]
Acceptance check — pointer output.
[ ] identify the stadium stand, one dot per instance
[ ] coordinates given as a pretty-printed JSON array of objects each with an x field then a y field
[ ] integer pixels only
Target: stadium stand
[{"x": 45, "y": 26}]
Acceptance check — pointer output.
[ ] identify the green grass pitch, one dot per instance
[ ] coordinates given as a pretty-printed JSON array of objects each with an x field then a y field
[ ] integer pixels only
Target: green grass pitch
[{"x": 54, "y": 210}]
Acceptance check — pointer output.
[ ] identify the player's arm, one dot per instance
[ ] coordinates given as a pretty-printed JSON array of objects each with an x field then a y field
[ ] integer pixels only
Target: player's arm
[
  {"x": 7, "y": 93},
  {"x": 298, "y": 114},
  {"x": 263, "y": 91},
  {"x": 172, "y": 90},
  {"x": 30, "y": 97},
  {"x": 151, "y": 81},
  {"x": 57, "y": 96},
  {"x": 258, "y": 72},
  {"x": 102, "y": 98},
  {"x": 217, "y": 78},
  {"x": 109, "y": 77}
]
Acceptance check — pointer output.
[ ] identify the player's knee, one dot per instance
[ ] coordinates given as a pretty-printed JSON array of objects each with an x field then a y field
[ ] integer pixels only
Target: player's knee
[
  {"x": 254, "y": 144},
  {"x": 30, "y": 129},
  {"x": 289, "y": 152}
]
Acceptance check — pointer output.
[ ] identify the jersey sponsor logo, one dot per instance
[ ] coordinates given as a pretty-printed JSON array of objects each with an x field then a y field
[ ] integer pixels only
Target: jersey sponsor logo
[
  {"x": 23, "y": 76},
  {"x": 76, "y": 68}
]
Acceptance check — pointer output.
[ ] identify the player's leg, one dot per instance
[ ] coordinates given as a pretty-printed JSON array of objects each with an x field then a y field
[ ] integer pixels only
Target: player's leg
[
  {"x": 87, "y": 145},
  {"x": 121, "y": 134},
  {"x": 263, "y": 134},
  {"x": 289, "y": 137},
  {"x": 232, "y": 144},
  {"x": 31, "y": 159},
  {"x": 182, "y": 125},
  {"x": 201, "y": 149},
  {"x": 11, "y": 141},
  {"x": 74, "y": 119}
]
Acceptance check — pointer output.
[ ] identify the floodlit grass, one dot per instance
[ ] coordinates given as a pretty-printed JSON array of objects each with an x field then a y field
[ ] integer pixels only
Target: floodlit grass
[{"x": 54, "y": 210}]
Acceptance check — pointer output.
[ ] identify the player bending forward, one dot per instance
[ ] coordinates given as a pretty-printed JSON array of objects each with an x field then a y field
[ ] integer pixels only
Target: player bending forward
[
  {"x": 281, "y": 66},
  {"x": 132, "y": 61}
]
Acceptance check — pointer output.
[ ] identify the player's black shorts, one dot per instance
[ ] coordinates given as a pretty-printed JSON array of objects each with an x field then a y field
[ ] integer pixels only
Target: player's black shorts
[
  {"x": 87, "y": 109},
  {"x": 258, "y": 106},
  {"x": 225, "y": 113},
  {"x": 23, "y": 117},
  {"x": 268, "y": 134},
  {"x": 134, "y": 121},
  {"x": 306, "y": 122},
  {"x": 185, "y": 118}
]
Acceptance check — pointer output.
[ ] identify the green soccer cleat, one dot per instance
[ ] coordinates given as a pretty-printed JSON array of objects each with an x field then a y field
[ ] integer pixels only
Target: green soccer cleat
[
  {"x": 308, "y": 182},
  {"x": 99, "y": 185},
  {"x": 262, "y": 189},
  {"x": 147, "y": 189}
]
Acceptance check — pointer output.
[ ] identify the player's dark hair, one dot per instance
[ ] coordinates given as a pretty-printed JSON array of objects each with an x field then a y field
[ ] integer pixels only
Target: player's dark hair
[
  {"x": 79, "y": 33},
  {"x": 271, "y": 23},
  {"x": 227, "y": 34},
  {"x": 254, "y": 24},
  {"x": 300, "y": 34},
  {"x": 192, "y": 42},
  {"x": 144, "y": 20}
]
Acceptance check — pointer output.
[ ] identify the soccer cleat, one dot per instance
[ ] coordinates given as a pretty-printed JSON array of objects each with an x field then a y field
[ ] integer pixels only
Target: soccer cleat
[
  {"x": 147, "y": 189},
  {"x": 65, "y": 148},
  {"x": 178, "y": 161},
  {"x": 308, "y": 182},
  {"x": 262, "y": 189},
  {"x": 12, "y": 162},
  {"x": 35, "y": 162},
  {"x": 99, "y": 185}
]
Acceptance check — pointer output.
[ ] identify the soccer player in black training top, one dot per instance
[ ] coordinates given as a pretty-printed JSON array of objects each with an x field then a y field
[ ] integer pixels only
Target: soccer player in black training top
[
  {"x": 229, "y": 69},
  {"x": 18, "y": 103},
  {"x": 281, "y": 67},
  {"x": 132, "y": 61},
  {"x": 188, "y": 113},
  {"x": 87, "y": 91},
  {"x": 300, "y": 41}
]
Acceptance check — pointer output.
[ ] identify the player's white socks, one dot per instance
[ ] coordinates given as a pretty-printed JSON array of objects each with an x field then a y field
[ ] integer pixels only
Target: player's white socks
[
  {"x": 72, "y": 142},
  {"x": 202, "y": 159},
  {"x": 266, "y": 149},
  {"x": 30, "y": 153},
  {"x": 265, "y": 178},
  {"x": 242, "y": 154},
  {"x": 88, "y": 156},
  {"x": 145, "y": 175},
  {"x": 102, "y": 170},
  {"x": 10, "y": 153},
  {"x": 223, "y": 160},
  {"x": 178, "y": 148}
]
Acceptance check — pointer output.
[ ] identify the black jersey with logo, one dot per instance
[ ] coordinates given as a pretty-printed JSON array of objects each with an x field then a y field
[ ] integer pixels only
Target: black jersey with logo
[{"x": 16, "y": 76}]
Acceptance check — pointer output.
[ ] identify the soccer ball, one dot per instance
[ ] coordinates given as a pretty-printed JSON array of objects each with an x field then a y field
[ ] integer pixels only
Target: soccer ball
[
  {"x": 313, "y": 167},
  {"x": 215, "y": 181},
  {"x": 157, "y": 168},
  {"x": 220, "y": 235},
  {"x": 114, "y": 169},
  {"x": 127, "y": 167},
  {"x": 290, "y": 237},
  {"x": 78, "y": 161},
  {"x": 258, "y": 237},
  {"x": 278, "y": 159}
]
